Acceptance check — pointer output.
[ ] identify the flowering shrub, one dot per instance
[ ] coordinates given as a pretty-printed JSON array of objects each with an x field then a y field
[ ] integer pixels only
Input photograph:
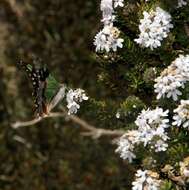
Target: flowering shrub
[
  {"x": 154, "y": 27},
  {"x": 146, "y": 180},
  {"x": 182, "y": 114},
  {"x": 142, "y": 102},
  {"x": 153, "y": 133},
  {"x": 172, "y": 78},
  {"x": 108, "y": 37}
]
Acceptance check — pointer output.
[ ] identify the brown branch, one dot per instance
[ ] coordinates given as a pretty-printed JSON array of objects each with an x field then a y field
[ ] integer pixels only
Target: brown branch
[
  {"x": 90, "y": 130},
  {"x": 19, "y": 124}
]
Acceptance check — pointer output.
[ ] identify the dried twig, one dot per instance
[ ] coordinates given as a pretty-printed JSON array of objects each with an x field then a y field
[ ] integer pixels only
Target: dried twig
[
  {"x": 90, "y": 130},
  {"x": 93, "y": 131},
  {"x": 19, "y": 124}
]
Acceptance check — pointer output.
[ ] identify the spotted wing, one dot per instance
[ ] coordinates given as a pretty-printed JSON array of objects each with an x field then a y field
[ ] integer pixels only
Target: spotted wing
[{"x": 38, "y": 78}]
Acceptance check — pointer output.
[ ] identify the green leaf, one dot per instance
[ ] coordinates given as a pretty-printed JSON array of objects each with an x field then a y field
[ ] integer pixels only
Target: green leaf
[
  {"x": 29, "y": 67},
  {"x": 167, "y": 185},
  {"x": 52, "y": 87}
]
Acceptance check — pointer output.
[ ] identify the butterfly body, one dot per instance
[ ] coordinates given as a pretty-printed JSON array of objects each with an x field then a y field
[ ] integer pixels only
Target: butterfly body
[{"x": 38, "y": 77}]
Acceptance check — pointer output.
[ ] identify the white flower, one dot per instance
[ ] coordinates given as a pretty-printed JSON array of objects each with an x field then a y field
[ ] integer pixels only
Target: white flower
[
  {"x": 108, "y": 39},
  {"x": 151, "y": 124},
  {"x": 118, "y": 115},
  {"x": 181, "y": 116},
  {"x": 173, "y": 78},
  {"x": 153, "y": 28},
  {"x": 168, "y": 85},
  {"x": 145, "y": 181},
  {"x": 74, "y": 97},
  {"x": 160, "y": 146},
  {"x": 125, "y": 148},
  {"x": 118, "y": 3},
  {"x": 106, "y": 7},
  {"x": 181, "y": 3}
]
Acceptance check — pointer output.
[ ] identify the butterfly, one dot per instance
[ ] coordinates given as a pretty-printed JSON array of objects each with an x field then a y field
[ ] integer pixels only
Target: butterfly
[{"x": 38, "y": 76}]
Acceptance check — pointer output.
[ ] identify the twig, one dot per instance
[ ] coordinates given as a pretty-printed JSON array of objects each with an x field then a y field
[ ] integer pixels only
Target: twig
[
  {"x": 93, "y": 131},
  {"x": 90, "y": 129},
  {"x": 19, "y": 124}
]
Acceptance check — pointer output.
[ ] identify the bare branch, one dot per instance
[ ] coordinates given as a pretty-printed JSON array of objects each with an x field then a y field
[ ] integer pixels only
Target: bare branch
[
  {"x": 19, "y": 124},
  {"x": 93, "y": 131},
  {"x": 90, "y": 130}
]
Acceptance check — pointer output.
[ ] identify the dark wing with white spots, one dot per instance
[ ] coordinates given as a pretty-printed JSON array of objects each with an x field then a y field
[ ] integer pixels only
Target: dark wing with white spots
[{"x": 38, "y": 78}]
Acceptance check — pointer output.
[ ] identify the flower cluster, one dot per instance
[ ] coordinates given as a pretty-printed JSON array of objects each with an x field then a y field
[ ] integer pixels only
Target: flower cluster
[
  {"x": 173, "y": 78},
  {"x": 106, "y": 7},
  {"x": 151, "y": 126},
  {"x": 181, "y": 3},
  {"x": 151, "y": 131},
  {"x": 118, "y": 3},
  {"x": 126, "y": 148},
  {"x": 108, "y": 37},
  {"x": 146, "y": 180},
  {"x": 181, "y": 116},
  {"x": 73, "y": 98},
  {"x": 154, "y": 27}
]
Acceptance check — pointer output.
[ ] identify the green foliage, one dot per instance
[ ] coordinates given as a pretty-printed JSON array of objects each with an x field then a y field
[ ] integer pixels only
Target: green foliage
[
  {"x": 52, "y": 87},
  {"x": 130, "y": 108},
  {"x": 167, "y": 185},
  {"x": 60, "y": 33}
]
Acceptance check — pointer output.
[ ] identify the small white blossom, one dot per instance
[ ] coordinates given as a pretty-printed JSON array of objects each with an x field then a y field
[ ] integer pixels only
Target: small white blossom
[
  {"x": 151, "y": 131},
  {"x": 173, "y": 78},
  {"x": 145, "y": 181},
  {"x": 106, "y": 7},
  {"x": 118, "y": 3},
  {"x": 181, "y": 3},
  {"x": 125, "y": 148},
  {"x": 108, "y": 39},
  {"x": 181, "y": 116},
  {"x": 118, "y": 115},
  {"x": 154, "y": 27},
  {"x": 152, "y": 123},
  {"x": 160, "y": 146},
  {"x": 73, "y": 98}
]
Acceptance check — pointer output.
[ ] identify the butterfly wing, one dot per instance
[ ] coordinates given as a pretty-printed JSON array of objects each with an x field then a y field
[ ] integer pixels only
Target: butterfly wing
[
  {"x": 38, "y": 78},
  {"x": 40, "y": 99}
]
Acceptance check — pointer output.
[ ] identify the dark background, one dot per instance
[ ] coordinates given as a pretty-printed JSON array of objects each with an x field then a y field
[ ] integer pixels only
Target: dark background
[{"x": 54, "y": 156}]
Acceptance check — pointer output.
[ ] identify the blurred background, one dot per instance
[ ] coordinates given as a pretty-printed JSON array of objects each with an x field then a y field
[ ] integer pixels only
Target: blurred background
[{"x": 53, "y": 154}]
